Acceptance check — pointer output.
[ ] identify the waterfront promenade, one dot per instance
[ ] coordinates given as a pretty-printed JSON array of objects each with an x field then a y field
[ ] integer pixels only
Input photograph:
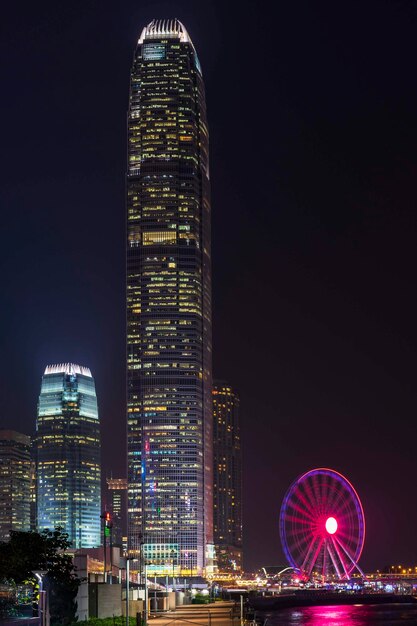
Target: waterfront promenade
[{"x": 223, "y": 613}]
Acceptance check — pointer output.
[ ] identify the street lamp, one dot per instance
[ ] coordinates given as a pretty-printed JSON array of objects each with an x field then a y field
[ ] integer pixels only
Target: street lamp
[
  {"x": 42, "y": 604},
  {"x": 145, "y": 613}
]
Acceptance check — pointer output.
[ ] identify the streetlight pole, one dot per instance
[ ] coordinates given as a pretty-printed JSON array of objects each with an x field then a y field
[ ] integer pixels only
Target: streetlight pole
[
  {"x": 127, "y": 589},
  {"x": 145, "y": 613},
  {"x": 143, "y": 571},
  {"x": 110, "y": 525},
  {"x": 128, "y": 559},
  {"x": 42, "y": 604}
]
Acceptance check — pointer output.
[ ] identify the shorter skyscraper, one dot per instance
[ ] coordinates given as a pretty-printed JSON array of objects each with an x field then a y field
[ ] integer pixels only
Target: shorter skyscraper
[
  {"x": 68, "y": 455},
  {"x": 227, "y": 457},
  {"x": 14, "y": 483},
  {"x": 117, "y": 505}
]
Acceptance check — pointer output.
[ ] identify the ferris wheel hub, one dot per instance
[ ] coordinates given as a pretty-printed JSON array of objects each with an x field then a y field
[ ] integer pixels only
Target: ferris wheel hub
[{"x": 331, "y": 525}]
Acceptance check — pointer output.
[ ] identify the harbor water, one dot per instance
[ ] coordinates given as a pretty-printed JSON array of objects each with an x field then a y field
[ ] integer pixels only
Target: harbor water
[{"x": 345, "y": 615}]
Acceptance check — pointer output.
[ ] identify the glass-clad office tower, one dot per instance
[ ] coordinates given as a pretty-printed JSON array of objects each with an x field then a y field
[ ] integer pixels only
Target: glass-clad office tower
[
  {"x": 15, "y": 482},
  {"x": 68, "y": 454},
  {"x": 169, "y": 306},
  {"x": 227, "y": 478}
]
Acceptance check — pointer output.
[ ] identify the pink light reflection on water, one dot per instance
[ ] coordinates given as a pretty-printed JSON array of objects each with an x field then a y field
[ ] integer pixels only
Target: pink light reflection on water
[
  {"x": 331, "y": 616},
  {"x": 337, "y": 615},
  {"x": 347, "y": 615}
]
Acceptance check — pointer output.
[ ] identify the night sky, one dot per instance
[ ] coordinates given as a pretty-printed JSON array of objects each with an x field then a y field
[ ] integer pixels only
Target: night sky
[{"x": 312, "y": 113}]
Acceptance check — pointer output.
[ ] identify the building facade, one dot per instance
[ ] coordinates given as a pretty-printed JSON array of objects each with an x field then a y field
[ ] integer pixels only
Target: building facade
[
  {"x": 67, "y": 453},
  {"x": 15, "y": 482},
  {"x": 117, "y": 505},
  {"x": 227, "y": 464},
  {"x": 33, "y": 511},
  {"x": 169, "y": 306}
]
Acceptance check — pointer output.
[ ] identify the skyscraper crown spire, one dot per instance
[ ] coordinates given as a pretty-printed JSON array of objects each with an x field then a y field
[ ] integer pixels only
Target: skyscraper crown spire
[
  {"x": 165, "y": 28},
  {"x": 67, "y": 368}
]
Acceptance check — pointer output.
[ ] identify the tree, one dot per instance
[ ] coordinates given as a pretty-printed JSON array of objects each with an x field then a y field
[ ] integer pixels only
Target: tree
[{"x": 29, "y": 551}]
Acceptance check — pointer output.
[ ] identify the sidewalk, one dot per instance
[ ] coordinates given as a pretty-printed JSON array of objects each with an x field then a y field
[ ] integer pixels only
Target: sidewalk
[{"x": 218, "y": 613}]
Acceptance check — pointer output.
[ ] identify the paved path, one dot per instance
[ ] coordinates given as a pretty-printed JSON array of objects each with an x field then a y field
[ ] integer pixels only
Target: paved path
[{"x": 218, "y": 613}]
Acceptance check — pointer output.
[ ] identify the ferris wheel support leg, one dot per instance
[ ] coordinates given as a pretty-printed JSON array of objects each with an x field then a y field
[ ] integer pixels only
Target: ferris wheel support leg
[
  {"x": 340, "y": 558},
  {"x": 316, "y": 554},
  {"x": 333, "y": 560},
  {"x": 350, "y": 557}
]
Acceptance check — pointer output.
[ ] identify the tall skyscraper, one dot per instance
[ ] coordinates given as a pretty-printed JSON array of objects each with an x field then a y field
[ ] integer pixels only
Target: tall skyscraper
[
  {"x": 68, "y": 454},
  {"x": 169, "y": 306},
  {"x": 227, "y": 478},
  {"x": 14, "y": 483},
  {"x": 117, "y": 505}
]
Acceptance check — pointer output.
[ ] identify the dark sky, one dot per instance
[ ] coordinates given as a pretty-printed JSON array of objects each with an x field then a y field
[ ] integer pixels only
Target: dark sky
[{"x": 312, "y": 112}]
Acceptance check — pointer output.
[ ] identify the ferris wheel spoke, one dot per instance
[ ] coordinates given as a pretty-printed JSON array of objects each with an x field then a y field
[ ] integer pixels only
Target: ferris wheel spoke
[
  {"x": 347, "y": 519},
  {"x": 340, "y": 499},
  {"x": 329, "y": 493},
  {"x": 298, "y": 544},
  {"x": 311, "y": 496},
  {"x": 317, "y": 486},
  {"x": 301, "y": 510},
  {"x": 343, "y": 545},
  {"x": 298, "y": 535},
  {"x": 298, "y": 541},
  {"x": 346, "y": 536},
  {"x": 316, "y": 556},
  {"x": 343, "y": 496},
  {"x": 342, "y": 502},
  {"x": 309, "y": 551},
  {"x": 324, "y": 562},
  {"x": 333, "y": 559},
  {"x": 349, "y": 502},
  {"x": 351, "y": 527},
  {"x": 350, "y": 557},
  {"x": 334, "y": 495},
  {"x": 341, "y": 559},
  {"x": 296, "y": 520},
  {"x": 304, "y": 499}
]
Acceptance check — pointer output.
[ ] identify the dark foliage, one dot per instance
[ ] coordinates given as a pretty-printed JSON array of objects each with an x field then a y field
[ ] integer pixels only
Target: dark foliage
[{"x": 27, "y": 552}]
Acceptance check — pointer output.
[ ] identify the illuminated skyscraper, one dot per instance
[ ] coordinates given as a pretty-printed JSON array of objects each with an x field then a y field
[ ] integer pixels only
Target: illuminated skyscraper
[
  {"x": 68, "y": 454},
  {"x": 227, "y": 478},
  {"x": 169, "y": 306},
  {"x": 14, "y": 483}
]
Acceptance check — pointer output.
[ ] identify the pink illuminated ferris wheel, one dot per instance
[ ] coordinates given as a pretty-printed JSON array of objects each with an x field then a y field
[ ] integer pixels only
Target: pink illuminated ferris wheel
[{"x": 322, "y": 525}]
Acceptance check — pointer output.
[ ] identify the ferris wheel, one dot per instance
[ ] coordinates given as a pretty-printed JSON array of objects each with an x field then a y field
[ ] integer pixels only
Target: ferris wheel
[{"x": 322, "y": 525}]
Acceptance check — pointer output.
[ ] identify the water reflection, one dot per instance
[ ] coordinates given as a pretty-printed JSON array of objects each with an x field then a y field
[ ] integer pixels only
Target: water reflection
[{"x": 356, "y": 615}]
